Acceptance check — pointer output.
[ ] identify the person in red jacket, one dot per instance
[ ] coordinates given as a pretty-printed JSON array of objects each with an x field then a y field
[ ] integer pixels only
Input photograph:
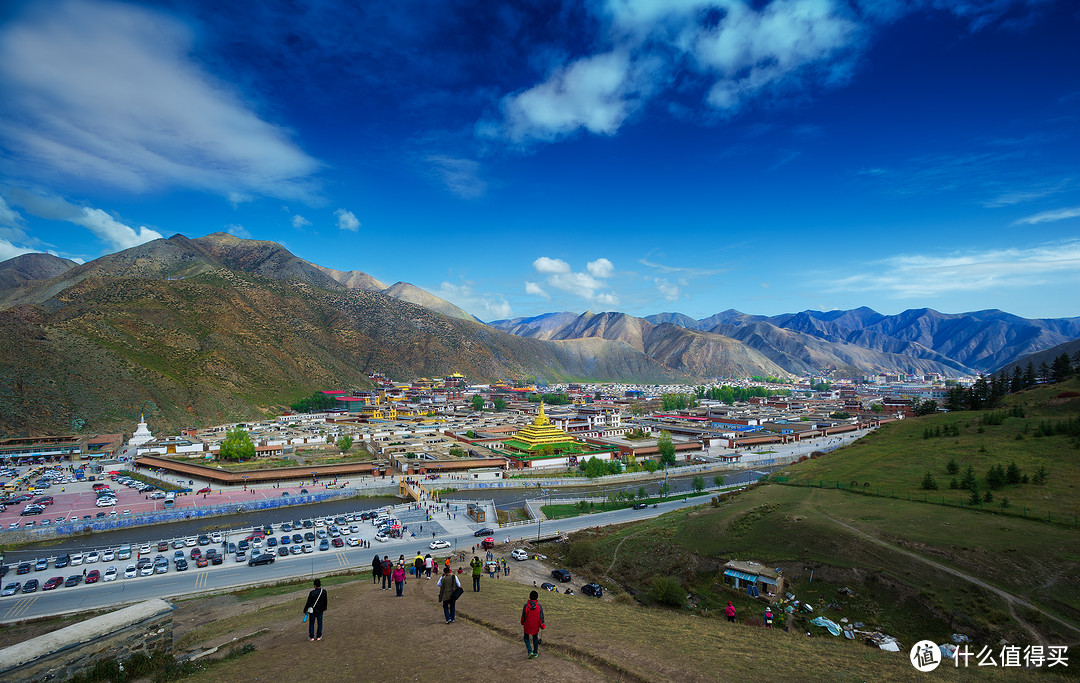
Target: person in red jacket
[
  {"x": 730, "y": 612},
  {"x": 532, "y": 619}
]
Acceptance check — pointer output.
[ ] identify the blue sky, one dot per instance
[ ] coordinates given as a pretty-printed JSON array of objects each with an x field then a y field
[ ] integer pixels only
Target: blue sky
[{"x": 630, "y": 155}]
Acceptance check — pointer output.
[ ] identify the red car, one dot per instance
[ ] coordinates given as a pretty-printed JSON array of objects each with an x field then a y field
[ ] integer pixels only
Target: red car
[
  {"x": 92, "y": 576},
  {"x": 200, "y": 561},
  {"x": 52, "y": 583},
  {"x": 196, "y": 553},
  {"x": 338, "y": 543},
  {"x": 44, "y": 500},
  {"x": 203, "y": 490}
]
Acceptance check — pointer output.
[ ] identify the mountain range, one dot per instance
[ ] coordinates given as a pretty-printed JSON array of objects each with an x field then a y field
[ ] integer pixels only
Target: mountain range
[{"x": 219, "y": 329}]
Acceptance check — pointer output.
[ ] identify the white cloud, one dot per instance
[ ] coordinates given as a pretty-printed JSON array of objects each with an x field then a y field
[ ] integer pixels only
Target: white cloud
[
  {"x": 601, "y": 267},
  {"x": 493, "y": 306},
  {"x": 460, "y": 176},
  {"x": 587, "y": 286},
  {"x": 346, "y": 220},
  {"x": 9, "y": 218},
  {"x": 914, "y": 276},
  {"x": 669, "y": 289},
  {"x": 732, "y": 51},
  {"x": 551, "y": 265},
  {"x": 109, "y": 93},
  {"x": 536, "y": 290},
  {"x": 1050, "y": 216},
  {"x": 237, "y": 230},
  {"x": 299, "y": 221},
  {"x": 593, "y": 93},
  {"x": 9, "y": 250},
  {"x": 115, "y": 234}
]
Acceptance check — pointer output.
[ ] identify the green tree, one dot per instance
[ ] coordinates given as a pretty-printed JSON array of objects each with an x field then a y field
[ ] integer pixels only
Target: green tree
[
  {"x": 1040, "y": 476},
  {"x": 974, "y": 498},
  {"x": 988, "y": 498},
  {"x": 876, "y": 408},
  {"x": 237, "y": 446},
  {"x": 968, "y": 481},
  {"x": 500, "y": 405},
  {"x": 344, "y": 443},
  {"x": 952, "y": 467},
  {"x": 718, "y": 480},
  {"x": 477, "y": 402},
  {"x": 315, "y": 403},
  {"x": 1013, "y": 474},
  {"x": 699, "y": 484},
  {"x": 1061, "y": 368},
  {"x": 928, "y": 483},
  {"x": 928, "y": 407},
  {"x": 665, "y": 488},
  {"x": 650, "y": 465},
  {"x": 996, "y": 477},
  {"x": 666, "y": 448},
  {"x": 642, "y": 493}
]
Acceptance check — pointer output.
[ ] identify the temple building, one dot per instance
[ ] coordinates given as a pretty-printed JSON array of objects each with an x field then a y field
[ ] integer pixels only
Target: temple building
[{"x": 542, "y": 444}]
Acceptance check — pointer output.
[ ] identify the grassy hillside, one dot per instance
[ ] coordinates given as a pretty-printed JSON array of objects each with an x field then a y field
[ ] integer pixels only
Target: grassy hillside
[
  {"x": 370, "y": 635},
  {"x": 895, "y": 459},
  {"x": 833, "y": 532}
]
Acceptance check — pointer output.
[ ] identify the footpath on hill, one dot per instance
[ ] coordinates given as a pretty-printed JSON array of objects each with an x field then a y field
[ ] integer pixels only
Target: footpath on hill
[{"x": 370, "y": 634}]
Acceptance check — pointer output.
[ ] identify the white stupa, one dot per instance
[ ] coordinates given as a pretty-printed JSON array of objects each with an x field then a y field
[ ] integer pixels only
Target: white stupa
[{"x": 142, "y": 434}]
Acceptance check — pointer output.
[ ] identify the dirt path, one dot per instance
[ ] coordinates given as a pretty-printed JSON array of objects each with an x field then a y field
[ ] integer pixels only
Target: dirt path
[{"x": 1011, "y": 599}]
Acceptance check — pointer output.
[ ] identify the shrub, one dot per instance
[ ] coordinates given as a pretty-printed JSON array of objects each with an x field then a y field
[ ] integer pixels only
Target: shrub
[{"x": 667, "y": 591}]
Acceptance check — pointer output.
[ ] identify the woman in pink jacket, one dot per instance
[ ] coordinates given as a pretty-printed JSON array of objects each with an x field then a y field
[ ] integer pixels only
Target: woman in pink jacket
[{"x": 399, "y": 577}]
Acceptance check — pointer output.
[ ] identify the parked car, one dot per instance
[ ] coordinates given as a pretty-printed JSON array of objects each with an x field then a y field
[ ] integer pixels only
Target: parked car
[
  {"x": 92, "y": 576},
  {"x": 382, "y": 538},
  {"x": 62, "y": 561},
  {"x": 52, "y": 583},
  {"x": 73, "y": 580},
  {"x": 283, "y": 551},
  {"x": 11, "y": 589},
  {"x": 352, "y": 541},
  {"x": 24, "y": 568},
  {"x": 131, "y": 571},
  {"x": 561, "y": 575},
  {"x": 338, "y": 543},
  {"x": 205, "y": 489},
  {"x": 42, "y": 564},
  {"x": 324, "y": 544},
  {"x": 30, "y": 586},
  {"x": 593, "y": 589},
  {"x": 549, "y": 586},
  {"x": 519, "y": 555},
  {"x": 110, "y": 574}
]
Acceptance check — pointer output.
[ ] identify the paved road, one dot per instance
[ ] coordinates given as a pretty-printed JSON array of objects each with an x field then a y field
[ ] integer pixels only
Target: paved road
[{"x": 231, "y": 574}]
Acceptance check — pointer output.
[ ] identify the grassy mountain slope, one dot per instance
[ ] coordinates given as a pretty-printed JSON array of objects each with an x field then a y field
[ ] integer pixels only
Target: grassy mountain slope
[{"x": 225, "y": 345}]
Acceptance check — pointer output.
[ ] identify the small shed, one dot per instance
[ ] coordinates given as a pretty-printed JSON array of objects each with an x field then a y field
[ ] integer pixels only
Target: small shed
[{"x": 743, "y": 575}]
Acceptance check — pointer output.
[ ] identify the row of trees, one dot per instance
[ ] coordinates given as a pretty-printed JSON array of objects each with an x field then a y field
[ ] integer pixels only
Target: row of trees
[
  {"x": 729, "y": 395},
  {"x": 561, "y": 399},
  {"x": 315, "y": 403},
  {"x": 478, "y": 403}
]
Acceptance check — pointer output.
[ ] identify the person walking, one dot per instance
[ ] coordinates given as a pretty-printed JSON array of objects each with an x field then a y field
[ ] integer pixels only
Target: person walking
[
  {"x": 768, "y": 617},
  {"x": 418, "y": 564},
  {"x": 387, "y": 570},
  {"x": 429, "y": 565},
  {"x": 399, "y": 578},
  {"x": 477, "y": 568},
  {"x": 532, "y": 620},
  {"x": 449, "y": 588},
  {"x": 730, "y": 612},
  {"x": 376, "y": 569},
  {"x": 313, "y": 610}
]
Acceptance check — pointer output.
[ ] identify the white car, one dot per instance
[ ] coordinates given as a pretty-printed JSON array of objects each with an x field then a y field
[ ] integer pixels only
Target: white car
[
  {"x": 92, "y": 557},
  {"x": 157, "y": 495},
  {"x": 191, "y": 542},
  {"x": 352, "y": 541},
  {"x": 147, "y": 570},
  {"x": 215, "y": 537},
  {"x": 519, "y": 555},
  {"x": 108, "y": 555},
  {"x": 382, "y": 538},
  {"x": 144, "y": 549},
  {"x": 105, "y": 502},
  {"x": 308, "y": 548},
  {"x": 131, "y": 572},
  {"x": 435, "y": 545},
  {"x": 76, "y": 559},
  {"x": 110, "y": 574}
]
